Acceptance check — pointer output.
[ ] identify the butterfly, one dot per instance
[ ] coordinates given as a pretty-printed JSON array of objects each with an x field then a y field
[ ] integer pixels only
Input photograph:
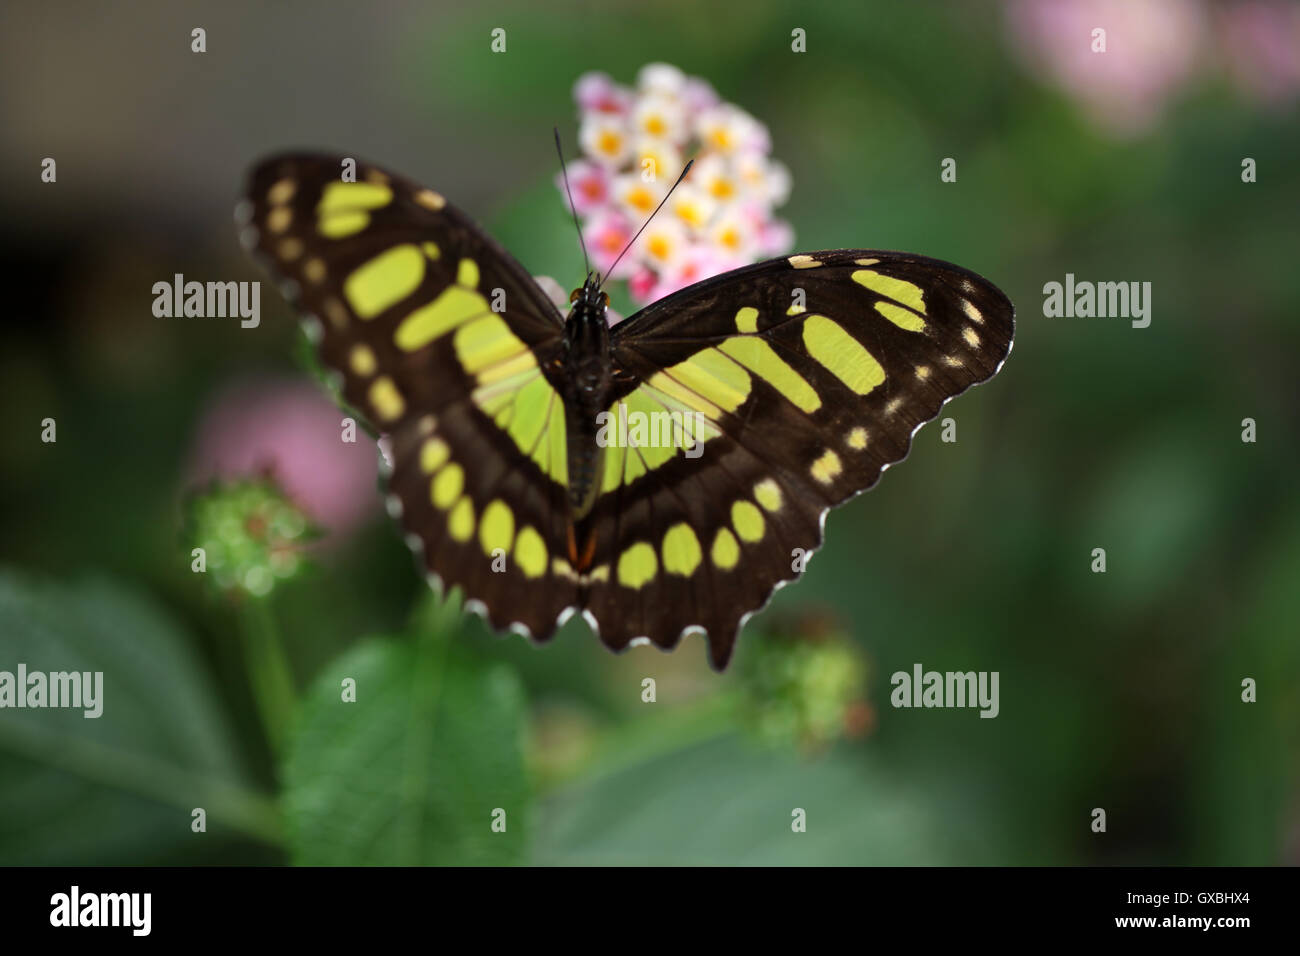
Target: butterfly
[{"x": 526, "y": 466}]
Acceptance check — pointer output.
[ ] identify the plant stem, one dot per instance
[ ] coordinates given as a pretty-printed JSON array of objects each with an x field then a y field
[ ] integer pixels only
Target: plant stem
[{"x": 268, "y": 670}]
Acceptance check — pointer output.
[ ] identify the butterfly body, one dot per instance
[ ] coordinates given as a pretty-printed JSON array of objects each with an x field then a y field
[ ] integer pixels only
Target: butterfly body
[
  {"x": 584, "y": 378},
  {"x": 527, "y": 468}
]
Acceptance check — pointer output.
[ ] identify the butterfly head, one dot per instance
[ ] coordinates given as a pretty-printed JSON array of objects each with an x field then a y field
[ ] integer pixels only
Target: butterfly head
[{"x": 589, "y": 300}]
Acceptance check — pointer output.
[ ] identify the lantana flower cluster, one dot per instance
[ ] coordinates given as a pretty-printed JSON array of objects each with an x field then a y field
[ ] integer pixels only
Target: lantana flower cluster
[{"x": 635, "y": 142}]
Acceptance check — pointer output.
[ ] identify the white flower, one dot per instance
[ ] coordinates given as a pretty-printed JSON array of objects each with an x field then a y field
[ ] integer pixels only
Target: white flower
[
  {"x": 715, "y": 177},
  {"x": 729, "y": 129},
  {"x": 761, "y": 179},
  {"x": 661, "y": 78},
  {"x": 693, "y": 206},
  {"x": 605, "y": 138},
  {"x": 635, "y": 197},
  {"x": 661, "y": 118},
  {"x": 657, "y": 160},
  {"x": 663, "y": 244},
  {"x": 736, "y": 236}
]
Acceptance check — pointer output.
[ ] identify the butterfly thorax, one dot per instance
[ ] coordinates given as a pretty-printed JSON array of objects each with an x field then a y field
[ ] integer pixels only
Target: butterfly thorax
[{"x": 584, "y": 382}]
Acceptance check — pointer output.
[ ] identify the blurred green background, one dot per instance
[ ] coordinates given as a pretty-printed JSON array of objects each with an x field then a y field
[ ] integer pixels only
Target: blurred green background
[{"x": 1119, "y": 690}]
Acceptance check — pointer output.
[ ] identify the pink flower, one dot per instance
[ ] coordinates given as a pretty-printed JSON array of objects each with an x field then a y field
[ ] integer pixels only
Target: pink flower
[
  {"x": 642, "y": 285},
  {"x": 776, "y": 237},
  {"x": 700, "y": 262},
  {"x": 1261, "y": 46},
  {"x": 1152, "y": 48},
  {"x": 590, "y": 185},
  {"x": 606, "y": 235},
  {"x": 295, "y": 432},
  {"x": 698, "y": 95},
  {"x": 597, "y": 92}
]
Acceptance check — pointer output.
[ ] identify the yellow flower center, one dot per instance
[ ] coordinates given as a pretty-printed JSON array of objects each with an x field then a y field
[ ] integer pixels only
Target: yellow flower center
[
  {"x": 641, "y": 199},
  {"x": 609, "y": 142},
  {"x": 689, "y": 213}
]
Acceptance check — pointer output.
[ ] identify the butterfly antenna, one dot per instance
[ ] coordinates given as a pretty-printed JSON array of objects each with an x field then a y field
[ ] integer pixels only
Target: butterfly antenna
[
  {"x": 610, "y": 271},
  {"x": 572, "y": 208}
]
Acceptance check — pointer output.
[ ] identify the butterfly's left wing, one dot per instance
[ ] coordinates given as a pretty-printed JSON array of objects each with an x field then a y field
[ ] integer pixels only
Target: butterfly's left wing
[
  {"x": 805, "y": 377},
  {"x": 439, "y": 337}
]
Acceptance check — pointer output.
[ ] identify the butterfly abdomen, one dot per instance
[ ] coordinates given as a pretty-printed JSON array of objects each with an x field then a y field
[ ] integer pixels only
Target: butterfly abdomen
[{"x": 586, "y": 457}]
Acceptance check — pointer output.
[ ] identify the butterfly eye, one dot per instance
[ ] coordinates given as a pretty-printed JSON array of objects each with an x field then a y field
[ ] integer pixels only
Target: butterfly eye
[
  {"x": 605, "y": 298},
  {"x": 573, "y": 296}
]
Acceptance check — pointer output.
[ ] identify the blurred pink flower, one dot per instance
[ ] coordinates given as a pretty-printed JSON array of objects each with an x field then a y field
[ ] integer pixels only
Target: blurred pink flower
[
  {"x": 776, "y": 237},
  {"x": 1152, "y": 48},
  {"x": 641, "y": 285},
  {"x": 293, "y": 430},
  {"x": 597, "y": 92},
  {"x": 590, "y": 185},
  {"x": 1261, "y": 48},
  {"x": 696, "y": 264},
  {"x": 698, "y": 95},
  {"x": 606, "y": 233}
]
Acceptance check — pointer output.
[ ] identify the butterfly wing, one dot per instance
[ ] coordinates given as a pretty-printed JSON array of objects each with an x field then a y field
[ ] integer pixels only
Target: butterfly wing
[
  {"x": 803, "y": 378},
  {"x": 439, "y": 337}
]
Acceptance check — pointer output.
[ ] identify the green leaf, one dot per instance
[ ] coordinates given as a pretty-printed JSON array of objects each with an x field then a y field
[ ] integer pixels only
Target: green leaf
[
  {"x": 121, "y": 786},
  {"x": 413, "y": 770},
  {"x": 727, "y": 803}
]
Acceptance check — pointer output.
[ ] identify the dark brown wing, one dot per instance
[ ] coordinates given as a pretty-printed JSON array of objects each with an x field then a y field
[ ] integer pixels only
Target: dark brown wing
[
  {"x": 806, "y": 377},
  {"x": 438, "y": 335}
]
